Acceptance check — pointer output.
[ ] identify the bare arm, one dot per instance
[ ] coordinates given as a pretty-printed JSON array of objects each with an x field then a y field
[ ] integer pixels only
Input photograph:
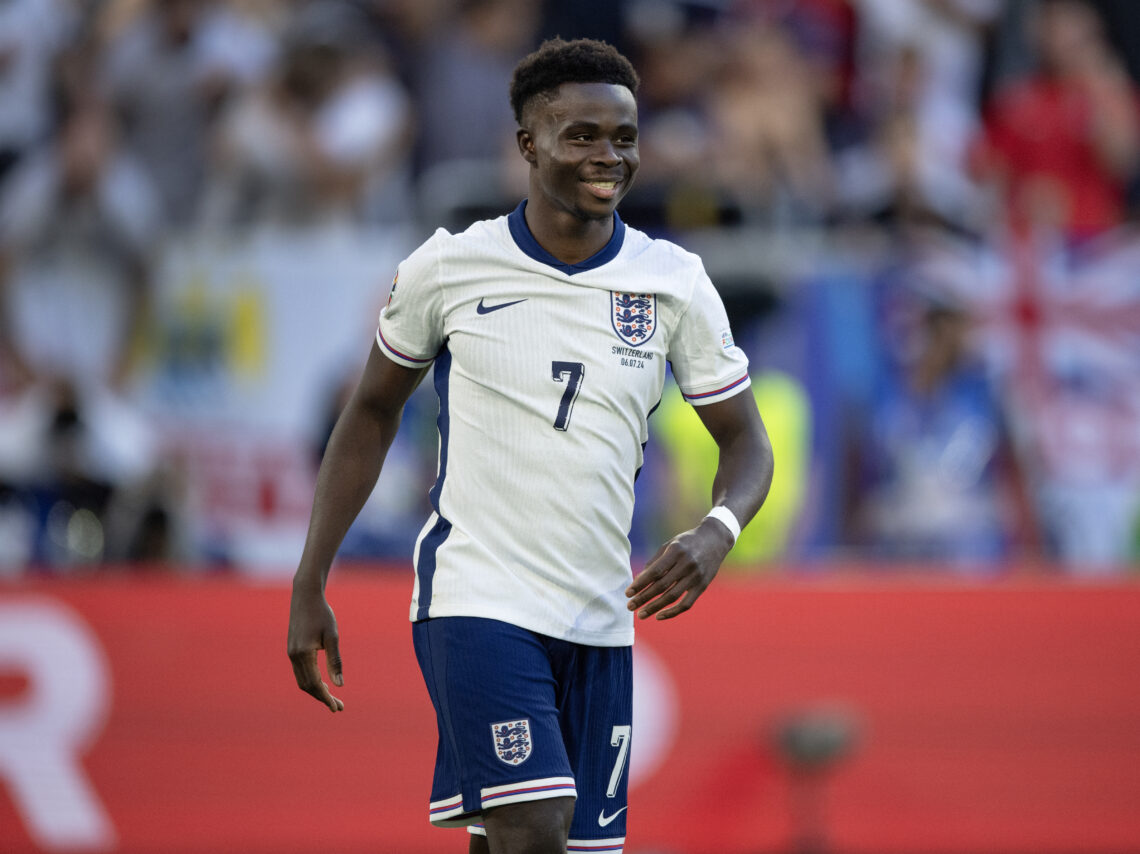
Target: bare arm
[
  {"x": 17, "y": 369},
  {"x": 351, "y": 465},
  {"x": 685, "y": 566}
]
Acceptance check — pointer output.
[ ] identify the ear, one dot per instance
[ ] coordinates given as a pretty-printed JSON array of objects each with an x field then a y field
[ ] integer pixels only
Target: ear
[{"x": 525, "y": 140}]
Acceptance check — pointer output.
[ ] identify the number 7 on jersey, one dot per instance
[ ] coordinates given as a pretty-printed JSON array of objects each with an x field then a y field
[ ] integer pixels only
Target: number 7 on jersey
[{"x": 571, "y": 373}]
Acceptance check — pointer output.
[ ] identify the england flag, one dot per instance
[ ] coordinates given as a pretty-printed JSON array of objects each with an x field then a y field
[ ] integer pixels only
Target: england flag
[{"x": 1059, "y": 329}]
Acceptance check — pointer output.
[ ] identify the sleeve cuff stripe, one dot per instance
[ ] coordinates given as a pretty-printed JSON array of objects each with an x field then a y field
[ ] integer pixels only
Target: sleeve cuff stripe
[
  {"x": 715, "y": 392},
  {"x": 397, "y": 353}
]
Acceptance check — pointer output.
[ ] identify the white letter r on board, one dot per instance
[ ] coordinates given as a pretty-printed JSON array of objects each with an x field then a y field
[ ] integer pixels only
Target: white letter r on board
[{"x": 44, "y": 731}]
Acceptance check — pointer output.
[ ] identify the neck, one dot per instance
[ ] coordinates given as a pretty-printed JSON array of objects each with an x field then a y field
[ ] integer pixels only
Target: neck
[{"x": 568, "y": 238}]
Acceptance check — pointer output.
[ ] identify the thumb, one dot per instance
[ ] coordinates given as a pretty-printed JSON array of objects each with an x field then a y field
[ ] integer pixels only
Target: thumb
[{"x": 332, "y": 660}]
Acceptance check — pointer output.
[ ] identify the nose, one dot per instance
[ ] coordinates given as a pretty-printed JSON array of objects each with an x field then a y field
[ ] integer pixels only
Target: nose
[{"x": 606, "y": 154}]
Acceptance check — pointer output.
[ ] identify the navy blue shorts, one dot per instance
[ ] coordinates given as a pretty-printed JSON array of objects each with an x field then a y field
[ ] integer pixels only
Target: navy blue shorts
[{"x": 523, "y": 716}]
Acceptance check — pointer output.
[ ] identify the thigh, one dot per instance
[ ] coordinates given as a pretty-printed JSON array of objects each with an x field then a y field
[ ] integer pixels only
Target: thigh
[
  {"x": 500, "y": 738},
  {"x": 596, "y": 709},
  {"x": 531, "y": 826}
]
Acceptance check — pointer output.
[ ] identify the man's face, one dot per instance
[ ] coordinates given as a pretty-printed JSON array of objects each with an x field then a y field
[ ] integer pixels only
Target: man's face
[{"x": 582, "y": 148}]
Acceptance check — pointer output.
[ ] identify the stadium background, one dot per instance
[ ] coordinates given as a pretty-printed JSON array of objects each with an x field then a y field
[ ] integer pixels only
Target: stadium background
[{"x": 921, "y": 216}]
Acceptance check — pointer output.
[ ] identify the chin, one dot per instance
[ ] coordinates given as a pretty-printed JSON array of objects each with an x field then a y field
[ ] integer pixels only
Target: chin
[
  {"x": 598, "y": 210},
  {"x": 594, "y": 216}
]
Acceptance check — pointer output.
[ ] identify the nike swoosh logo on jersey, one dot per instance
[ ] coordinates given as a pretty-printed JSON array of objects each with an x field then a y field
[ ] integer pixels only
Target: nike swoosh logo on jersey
[
  {"x": 487, "y": 309},
  {"x": 604, "y": 819}
]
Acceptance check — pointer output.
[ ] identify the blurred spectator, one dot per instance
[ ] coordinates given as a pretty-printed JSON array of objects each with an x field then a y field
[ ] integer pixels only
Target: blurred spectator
[
  {"x": 78, "y": 221},
  {"x": 919, "y": 79},
  {"x": 324, "y": 138},
  {"x": 1062, "y": 145},
  {"x": 769, "y": 138},
  {"x": 676, "y": 57},
  {"x": 825, "y": 34},
  {"x": 937, "y": 477},
  {"x": 169, "y": 70},
  {"x": 408, "y": 25},
  {"x": 466, "y": 154},
  {"x": 733, "y": 124},
  {"x": 1058, "y": 327},
  {"x": 783, "y": 133},
  {"x": 32, "y": 33},
  {"x": 80, "y": 480},
  {"x": 463, "y": 114}
]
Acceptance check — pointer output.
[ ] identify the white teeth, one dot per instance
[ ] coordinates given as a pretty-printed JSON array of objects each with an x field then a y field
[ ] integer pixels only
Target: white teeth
[{"x": 604, "y": 185}]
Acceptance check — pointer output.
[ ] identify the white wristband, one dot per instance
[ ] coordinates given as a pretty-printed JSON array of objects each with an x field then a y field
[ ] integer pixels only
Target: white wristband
[{"x": 727, "y": 518}]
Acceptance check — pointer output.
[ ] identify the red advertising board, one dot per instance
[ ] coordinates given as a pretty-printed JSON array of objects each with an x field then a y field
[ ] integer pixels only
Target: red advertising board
[{"x": 159, "y": 714}]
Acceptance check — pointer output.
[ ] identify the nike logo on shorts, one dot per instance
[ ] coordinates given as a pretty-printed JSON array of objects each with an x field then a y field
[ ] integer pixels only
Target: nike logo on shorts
[
  {"x": 487, "y": 309},
  {"x": 604, "y": 819}
]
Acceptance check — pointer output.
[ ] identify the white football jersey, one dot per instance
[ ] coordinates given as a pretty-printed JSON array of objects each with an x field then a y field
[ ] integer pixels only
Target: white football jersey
[{"x": 546, "y": 375}]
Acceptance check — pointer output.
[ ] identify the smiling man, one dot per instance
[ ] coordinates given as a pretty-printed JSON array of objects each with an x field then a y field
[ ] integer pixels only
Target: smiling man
[{"x": 548, "y": 332}]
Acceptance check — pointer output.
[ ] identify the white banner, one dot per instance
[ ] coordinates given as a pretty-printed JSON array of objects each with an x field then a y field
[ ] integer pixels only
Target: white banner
[{"x": 253, "y": 339}]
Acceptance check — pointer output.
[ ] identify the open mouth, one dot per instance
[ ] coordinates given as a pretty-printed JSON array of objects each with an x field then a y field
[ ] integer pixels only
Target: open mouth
[{"x": 603, "y": 189}]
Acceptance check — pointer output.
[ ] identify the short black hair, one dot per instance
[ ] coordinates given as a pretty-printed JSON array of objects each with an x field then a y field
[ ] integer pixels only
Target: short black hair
[{"x": 558, "y": 61}]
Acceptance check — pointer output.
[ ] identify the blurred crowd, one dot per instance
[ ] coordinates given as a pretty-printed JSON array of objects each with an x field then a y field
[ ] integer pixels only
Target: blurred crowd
[{"x": 920, "y": 214}]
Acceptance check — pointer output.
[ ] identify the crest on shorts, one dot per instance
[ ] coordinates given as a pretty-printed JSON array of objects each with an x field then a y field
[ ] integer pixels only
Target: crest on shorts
[
  {"x": 634, "y": 316},
  {"x": 512, "y": 741}
]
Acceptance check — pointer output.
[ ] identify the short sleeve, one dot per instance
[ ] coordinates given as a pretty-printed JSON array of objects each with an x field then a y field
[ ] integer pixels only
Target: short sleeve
[
  {"x": 410, "y": 331},
  {"x": 707, "y": 364}
]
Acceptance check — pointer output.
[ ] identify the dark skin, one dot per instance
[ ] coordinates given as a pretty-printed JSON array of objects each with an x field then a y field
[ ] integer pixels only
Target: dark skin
[
  {"x": 581, "y": 145},
  {"x": 577, "y": 142},
  {"x": 351, "y": 465}
]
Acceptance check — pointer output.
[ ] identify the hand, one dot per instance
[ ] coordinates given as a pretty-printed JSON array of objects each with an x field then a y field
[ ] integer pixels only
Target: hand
[
  {"x": 680, "y": 571},
  {"x": 312, "y": 627}
]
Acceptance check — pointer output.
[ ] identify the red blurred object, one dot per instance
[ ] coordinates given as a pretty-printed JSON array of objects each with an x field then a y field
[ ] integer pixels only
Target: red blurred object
[{"x": 992, "y": 718}]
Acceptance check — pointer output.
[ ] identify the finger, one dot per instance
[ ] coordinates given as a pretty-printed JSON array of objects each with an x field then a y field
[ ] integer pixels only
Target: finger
[
  {"x": 305, "y": 670},
  {"x": 645, "y": 578},
  {"x": 325, "y": 696},
  {"x": 335, "y": 704},
  {"x": 646, "y": 596},
  {"x": 332, "y": 660},
  {"x": 681, "y": 607},
  {"x": 309, "y": 680},
  {"x": 668, "y": 577},
  {"x": 652, "y": 571},
  {"x": 665, "y": 599},
  {"x": 653, "y": 581}
]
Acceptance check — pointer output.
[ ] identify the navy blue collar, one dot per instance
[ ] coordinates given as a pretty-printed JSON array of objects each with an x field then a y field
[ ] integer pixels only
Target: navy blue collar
[{"x": 525, "y": 241}]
